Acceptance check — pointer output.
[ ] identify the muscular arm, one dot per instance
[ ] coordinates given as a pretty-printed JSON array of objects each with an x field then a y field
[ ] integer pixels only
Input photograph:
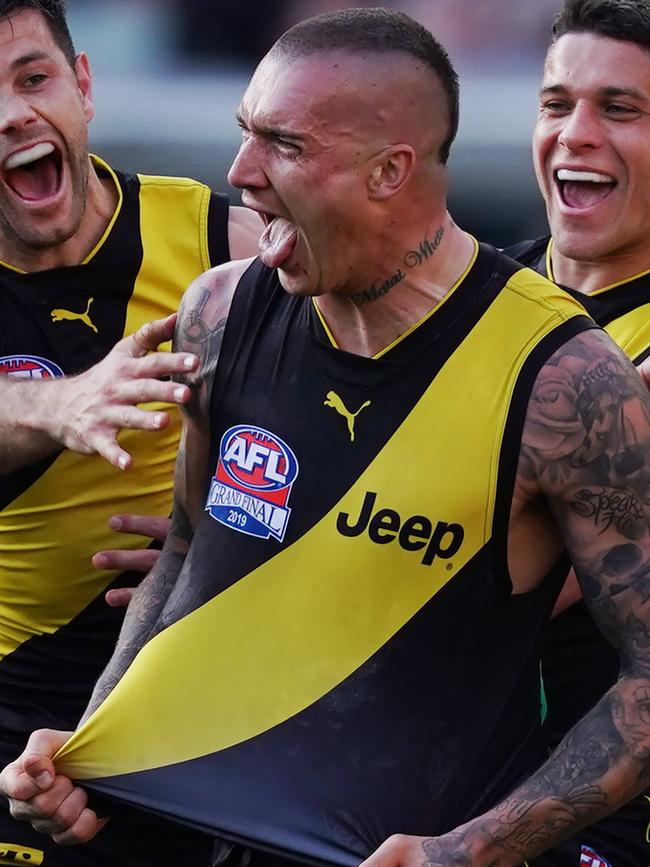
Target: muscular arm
[
  {"x": 585, "y": 450},
  {"x": 200, "y": 329}
]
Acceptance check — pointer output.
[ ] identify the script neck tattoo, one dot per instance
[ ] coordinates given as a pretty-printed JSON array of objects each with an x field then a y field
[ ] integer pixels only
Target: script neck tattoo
[{"x": 413, "y": 259}]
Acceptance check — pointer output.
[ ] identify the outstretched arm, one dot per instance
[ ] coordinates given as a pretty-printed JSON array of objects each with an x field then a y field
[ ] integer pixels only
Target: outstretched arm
[
  {"x": 51, "y": 803},
  {"x": 586, "y": 451}
]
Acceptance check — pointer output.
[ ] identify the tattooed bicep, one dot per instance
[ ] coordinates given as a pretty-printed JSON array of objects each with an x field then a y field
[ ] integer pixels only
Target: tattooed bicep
[
  {"x": 588, "y": 419},
  {"x": 200, "y": 328},
  {"x": 587, "y": 443}
]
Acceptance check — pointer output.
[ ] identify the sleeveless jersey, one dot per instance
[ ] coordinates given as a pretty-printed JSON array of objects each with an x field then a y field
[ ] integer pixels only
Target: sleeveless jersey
[
  {"x": 623, "y": 310},
  {"x": 56, "y": 631},
  {"x": 359, "y": 666}
]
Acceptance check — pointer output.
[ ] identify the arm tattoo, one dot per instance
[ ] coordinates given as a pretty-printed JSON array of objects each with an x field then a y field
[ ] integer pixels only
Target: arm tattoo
[
  {"x": 195, "y": 332},
  {"x": 150, "y": 610},
  {"x": 585, "y": 448},
  {"x": 142, "y": 614}
]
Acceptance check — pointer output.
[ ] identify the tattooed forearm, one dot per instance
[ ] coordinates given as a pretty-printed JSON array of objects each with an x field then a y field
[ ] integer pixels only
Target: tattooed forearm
[{"x": 142, "y": 614}]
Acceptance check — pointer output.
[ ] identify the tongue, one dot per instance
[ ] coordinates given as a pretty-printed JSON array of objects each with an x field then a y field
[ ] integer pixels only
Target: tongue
[
  {"x": 277, "y": 242},
  {"x": 584, "y": 194},
  {"x": 36, "y": 181}
]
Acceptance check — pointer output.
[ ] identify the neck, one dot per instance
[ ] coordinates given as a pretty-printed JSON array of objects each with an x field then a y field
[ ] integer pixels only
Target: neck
[
  {"x": 589, "y": 276},
  {"x": 414, "y": 280},
  {"x": 101, "y": 201}
]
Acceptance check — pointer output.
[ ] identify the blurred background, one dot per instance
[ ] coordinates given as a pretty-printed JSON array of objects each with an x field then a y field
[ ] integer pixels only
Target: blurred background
[{"x": 169, "y": 75}]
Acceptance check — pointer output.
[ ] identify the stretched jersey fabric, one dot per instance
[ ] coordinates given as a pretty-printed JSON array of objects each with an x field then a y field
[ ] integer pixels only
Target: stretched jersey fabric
[
  {"x": 56, "y": 631},
  {"x": 357, "y": 664},
  {"x": 579, "y": 665}
]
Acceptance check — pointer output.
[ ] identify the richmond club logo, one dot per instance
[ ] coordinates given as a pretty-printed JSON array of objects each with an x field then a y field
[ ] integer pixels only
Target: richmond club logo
[
  {"x": 28, "y": 367},
  {"x": 252, "y": 483}
]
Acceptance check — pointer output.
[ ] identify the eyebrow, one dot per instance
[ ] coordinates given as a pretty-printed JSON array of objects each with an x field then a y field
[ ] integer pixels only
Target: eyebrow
[
  {"x": 268, "y": 131},
  {"x": 611, "y": 92},
  {"x": 25, "y": 59}
]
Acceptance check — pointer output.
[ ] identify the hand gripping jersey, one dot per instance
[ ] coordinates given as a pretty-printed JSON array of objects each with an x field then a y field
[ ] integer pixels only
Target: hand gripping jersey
[
  {"x": 579, "y": 664},
  {"x": 357, "y": 664},
  {"x": 56, "y": 631}
]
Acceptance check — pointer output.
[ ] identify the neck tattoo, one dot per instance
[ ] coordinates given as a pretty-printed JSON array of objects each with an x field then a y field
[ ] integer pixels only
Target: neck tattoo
[
  {"x": 412, "y": 259},
  {"x": 427, "y": 248}
]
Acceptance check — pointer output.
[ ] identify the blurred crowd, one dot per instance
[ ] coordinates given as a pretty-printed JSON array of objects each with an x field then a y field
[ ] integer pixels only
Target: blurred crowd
[{"x": 208, "y": 32}]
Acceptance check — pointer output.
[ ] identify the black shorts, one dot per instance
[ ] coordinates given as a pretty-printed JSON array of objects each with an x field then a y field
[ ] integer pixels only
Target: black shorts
[{"x": 131, "y": 838}]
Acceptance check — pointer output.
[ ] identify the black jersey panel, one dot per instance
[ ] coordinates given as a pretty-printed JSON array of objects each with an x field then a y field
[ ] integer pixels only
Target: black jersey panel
[
  {"x": 218, "y": 244},
  {"x": 382, "y": 753}
]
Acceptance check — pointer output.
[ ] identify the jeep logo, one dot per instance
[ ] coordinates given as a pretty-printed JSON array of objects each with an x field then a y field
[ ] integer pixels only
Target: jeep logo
[{"x": 415, "y": 534}]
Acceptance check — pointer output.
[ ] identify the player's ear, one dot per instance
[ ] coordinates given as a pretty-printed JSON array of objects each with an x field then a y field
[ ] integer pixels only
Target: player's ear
[
  {"x": 85, "y": 84},
  {"x": 389, "y": 170}
]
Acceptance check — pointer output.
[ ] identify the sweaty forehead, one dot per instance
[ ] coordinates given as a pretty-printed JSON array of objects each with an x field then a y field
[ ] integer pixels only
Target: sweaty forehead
[{"x": 590, "y": 61}]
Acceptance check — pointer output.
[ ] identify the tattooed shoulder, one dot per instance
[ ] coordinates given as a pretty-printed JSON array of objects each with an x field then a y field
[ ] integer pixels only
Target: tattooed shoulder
[
  {"x": 589, "y": 419},
  {"x": 201, "y": 325}
]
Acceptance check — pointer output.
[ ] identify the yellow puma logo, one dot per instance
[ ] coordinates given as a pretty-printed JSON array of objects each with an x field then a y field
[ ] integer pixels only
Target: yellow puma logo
[
  {"x": 60, "y": 314},
  {"x": 336, "y": 403},
  {"x": 12, "y": 853}
]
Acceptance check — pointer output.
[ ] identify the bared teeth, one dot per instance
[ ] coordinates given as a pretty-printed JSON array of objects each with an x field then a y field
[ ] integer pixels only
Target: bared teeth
[
  {"x": 29, "y": 155},
  {"x": 590, "y": 177}
]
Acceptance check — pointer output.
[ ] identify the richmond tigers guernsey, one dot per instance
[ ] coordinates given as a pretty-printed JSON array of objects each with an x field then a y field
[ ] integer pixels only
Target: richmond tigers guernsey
[
  {"x": 56, "y": 631},
  {"x": 357, "y": 665}
]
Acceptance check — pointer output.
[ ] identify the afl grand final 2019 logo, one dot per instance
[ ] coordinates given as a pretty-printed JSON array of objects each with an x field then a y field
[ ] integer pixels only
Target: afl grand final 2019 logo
[
  {"x": 252, "y": 482},
  {"x": 28, "y": 367}
]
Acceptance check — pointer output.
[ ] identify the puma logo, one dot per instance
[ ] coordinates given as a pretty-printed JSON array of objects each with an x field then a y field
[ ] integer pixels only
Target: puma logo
[
  {"x": 336, "y": 403},
  {"x": 647, "y": 832},
  {"x": 60, "y": 314}
]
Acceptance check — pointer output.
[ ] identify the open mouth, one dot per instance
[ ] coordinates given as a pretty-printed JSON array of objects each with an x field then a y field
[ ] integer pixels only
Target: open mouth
[
  {"x": 34, "y": 174},
  {"x": 583, "y": 189}
]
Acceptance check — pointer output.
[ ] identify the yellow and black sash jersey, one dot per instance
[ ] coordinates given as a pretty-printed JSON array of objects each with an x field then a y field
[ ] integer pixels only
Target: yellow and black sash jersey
[
  {"x": 357, "y": 664},
  {"x": 56, "y": 631},
  {"x": 623, "y": 310}
]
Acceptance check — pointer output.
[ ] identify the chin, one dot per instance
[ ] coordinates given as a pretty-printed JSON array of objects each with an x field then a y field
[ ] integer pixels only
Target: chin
[
  {"x": 52, "y": 235},
  {"x": 583, "y": 246},
  {"x": 300, "y": 286}
]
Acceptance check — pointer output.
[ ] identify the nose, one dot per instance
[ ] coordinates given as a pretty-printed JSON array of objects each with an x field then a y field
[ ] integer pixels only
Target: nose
[
  {"x": 15, "y": 113},
  {"x": 581, "y": 128},
  {"x": 246, "y": 172}
]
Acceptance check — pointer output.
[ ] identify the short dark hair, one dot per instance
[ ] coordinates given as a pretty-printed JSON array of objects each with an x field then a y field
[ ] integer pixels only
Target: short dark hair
[
  {"x": 379, "y": 31},
  {"x": 625, "y": 20},
  {"x": 53, "y": 11}
]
